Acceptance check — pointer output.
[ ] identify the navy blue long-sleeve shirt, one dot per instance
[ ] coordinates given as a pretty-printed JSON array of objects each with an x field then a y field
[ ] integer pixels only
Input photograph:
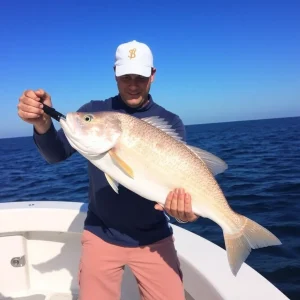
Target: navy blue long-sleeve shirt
[{"x": 125, "y": 218}]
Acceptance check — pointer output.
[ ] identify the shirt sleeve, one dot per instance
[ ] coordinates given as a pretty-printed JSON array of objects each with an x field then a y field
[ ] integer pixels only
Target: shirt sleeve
[{"x": 53, "y": 144}]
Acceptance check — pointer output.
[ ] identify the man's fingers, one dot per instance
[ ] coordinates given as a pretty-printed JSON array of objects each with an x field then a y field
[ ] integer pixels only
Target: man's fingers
[
  {"x": 181, "y": 205},
  {"x": 27, "y": 115},
  {"x": 30, "y": 106},
  {"x": 39, "y": 95},
  {"x": 40, "y": 92},
  {"x": 30, "y": 102},
  {"x": 168, "y": 202},
  {"x": 189, "y": 215},
  {"x": 30, "y": 94},
  {"x": 173, "y": 206},
  {"x": 158, "y": 207},
  {"x": 44, "y": 96}
]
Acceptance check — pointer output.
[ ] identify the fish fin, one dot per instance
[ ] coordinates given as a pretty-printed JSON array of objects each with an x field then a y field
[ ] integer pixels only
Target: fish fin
[
  {"x": 163, "y": 125},
  {"x": 121, "y": 163},
  {"x": 113, "y": 183},
  {"x": 215, "y": 164},
  {"x": 251, "y": 236}
]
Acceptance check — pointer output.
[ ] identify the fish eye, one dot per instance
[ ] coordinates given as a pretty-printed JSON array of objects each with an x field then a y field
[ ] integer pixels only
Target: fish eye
[{"x": 88, "y": 118}]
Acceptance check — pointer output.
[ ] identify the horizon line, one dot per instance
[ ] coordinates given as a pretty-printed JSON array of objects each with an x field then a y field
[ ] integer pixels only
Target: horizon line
[{"x": 210, "y": 123}]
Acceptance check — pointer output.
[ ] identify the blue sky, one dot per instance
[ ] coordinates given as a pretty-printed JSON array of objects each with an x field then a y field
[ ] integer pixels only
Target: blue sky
[{"x": 216, "y": 60}]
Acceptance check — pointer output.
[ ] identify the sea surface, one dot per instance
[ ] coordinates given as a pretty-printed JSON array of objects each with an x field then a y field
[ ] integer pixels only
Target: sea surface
[{"x": 262, "y": 182}]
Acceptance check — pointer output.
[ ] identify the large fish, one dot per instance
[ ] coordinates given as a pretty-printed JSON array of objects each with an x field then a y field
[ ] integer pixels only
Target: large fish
[{"x": 147, "y": 157}]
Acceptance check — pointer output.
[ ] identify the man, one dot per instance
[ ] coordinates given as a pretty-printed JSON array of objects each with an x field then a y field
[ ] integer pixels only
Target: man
[{"x": 120, "y": 229}]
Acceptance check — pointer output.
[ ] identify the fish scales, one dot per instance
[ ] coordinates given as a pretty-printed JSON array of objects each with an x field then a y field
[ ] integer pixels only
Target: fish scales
[{"x": 164, "y": 154}]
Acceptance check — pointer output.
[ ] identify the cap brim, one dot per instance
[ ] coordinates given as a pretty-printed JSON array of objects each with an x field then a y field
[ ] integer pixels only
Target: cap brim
[{"x": 133, "y": 69}]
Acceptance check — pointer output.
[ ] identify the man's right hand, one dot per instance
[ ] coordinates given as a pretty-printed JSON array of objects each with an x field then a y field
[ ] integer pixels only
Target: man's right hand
[{"x": 30, "y": 109}]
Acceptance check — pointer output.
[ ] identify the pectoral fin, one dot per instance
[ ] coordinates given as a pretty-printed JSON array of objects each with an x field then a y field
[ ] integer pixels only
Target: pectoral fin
[
  {"x": 121, "y": 164},
  {"x": 114, "y": 184}
]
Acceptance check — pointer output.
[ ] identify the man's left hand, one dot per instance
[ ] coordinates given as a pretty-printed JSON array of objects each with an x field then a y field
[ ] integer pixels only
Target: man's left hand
[{"x": 179, "y": 205}]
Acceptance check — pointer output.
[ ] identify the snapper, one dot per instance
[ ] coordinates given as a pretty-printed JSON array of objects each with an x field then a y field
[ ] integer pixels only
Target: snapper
[{"x": 149, "y": 158}]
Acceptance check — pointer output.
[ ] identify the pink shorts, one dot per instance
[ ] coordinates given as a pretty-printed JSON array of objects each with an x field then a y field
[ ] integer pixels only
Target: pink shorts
[{"x": 155, "y": 267}]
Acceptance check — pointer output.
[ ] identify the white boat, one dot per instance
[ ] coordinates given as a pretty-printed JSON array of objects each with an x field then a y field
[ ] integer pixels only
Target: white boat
[{"x": 40, "y": 249}]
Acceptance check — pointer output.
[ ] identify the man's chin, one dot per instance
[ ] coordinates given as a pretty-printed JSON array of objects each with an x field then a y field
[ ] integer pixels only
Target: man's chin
[{"x": 134, "y": 102}]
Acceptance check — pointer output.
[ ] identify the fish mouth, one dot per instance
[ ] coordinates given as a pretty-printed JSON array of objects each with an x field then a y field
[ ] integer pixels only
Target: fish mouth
[
  {"x": 72, "y": 124},
  {"x": 66, "y": 125},
  {"x": 72, "y": 128}
]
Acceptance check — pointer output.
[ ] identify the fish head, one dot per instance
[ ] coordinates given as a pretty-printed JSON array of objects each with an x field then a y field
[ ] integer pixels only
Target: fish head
[{"x": 91, "y": 133}]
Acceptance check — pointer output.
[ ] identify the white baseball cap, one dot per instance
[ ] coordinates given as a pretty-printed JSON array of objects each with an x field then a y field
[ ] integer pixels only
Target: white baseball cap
[{"x": 133, "y": 58}]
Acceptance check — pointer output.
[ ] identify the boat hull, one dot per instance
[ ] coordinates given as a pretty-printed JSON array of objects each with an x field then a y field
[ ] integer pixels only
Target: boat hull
[{"x": 40, "y": 251}]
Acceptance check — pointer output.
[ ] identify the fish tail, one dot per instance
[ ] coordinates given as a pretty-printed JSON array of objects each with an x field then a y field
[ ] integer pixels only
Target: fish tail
[{"x": 250, "y": 236}]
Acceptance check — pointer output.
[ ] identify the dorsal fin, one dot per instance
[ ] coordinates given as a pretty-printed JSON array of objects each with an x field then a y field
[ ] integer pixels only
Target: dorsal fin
[
  {"x": 215, "y": 164},
  {"x": 163, "y": 125}
]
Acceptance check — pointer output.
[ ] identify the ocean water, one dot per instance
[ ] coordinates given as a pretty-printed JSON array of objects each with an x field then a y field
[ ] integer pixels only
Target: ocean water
[{"x": 262, "y": 182}]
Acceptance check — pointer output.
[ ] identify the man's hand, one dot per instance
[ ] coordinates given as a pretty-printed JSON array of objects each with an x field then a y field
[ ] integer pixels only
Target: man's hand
[
  {"x": 179, "y": 205},
  {"x": 30, "y": 109}
]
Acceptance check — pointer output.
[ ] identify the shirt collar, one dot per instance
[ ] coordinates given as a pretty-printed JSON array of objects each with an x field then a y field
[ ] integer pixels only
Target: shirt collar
[{"x": 121, "y": 105}]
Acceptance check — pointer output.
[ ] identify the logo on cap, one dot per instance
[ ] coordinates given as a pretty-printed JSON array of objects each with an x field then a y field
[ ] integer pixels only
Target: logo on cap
[{"x": 132, "y": 53}]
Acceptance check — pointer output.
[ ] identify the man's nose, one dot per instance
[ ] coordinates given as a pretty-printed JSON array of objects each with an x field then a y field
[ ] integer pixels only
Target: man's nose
[{"x": 133, "y": 84}]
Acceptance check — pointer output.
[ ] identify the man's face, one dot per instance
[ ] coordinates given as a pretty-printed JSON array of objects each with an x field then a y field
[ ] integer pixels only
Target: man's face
[{"x": 134, "y": 89}]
